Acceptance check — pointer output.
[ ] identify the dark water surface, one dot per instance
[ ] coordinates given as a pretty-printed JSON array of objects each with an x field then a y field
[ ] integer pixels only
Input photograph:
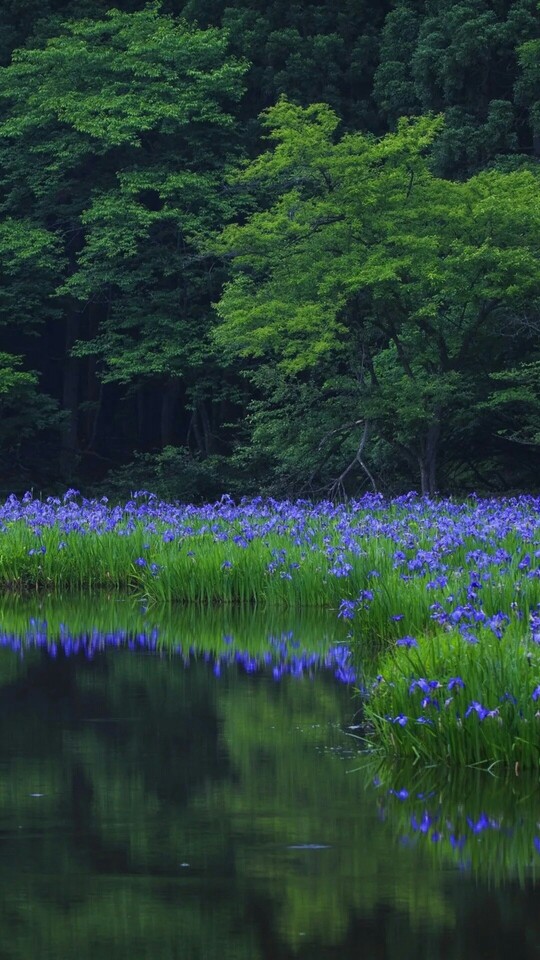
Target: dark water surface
[{"x": 166, "y": 792}]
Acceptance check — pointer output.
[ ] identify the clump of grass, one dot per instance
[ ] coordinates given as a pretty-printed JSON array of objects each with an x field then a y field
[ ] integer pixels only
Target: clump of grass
[
  {"x": 465, "y": 578},
  {"x": 445, "y": 699}
]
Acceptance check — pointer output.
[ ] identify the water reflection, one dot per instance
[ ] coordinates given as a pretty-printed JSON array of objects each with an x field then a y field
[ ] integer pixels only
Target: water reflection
[
  {"x": 237, "y": 638},
  {"x": 480, "y": 821},
  {"x": 149, "y": 811}
]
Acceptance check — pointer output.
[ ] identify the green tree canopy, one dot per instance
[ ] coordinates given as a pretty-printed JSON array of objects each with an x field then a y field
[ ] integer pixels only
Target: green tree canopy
[
  {"x": 405, "y": 279},
  {"x": 113, "y": 143},
  {"x": 460, "y": 58}
]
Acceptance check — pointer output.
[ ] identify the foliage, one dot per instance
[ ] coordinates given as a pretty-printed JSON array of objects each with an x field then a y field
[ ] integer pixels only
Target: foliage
[
  {"x": 119, "y": 132},
  {"x": 528, "y": 85},
  {"x": 112, "y": 187},
  {"x": 310, "y": 51},
  {"x": 462, "y": 59},
  {"x": 516, "y": 401},
  {"x": 398, "y": 276},
  {"x": 457, "y": 700},
  {"x": 172, "y": 474},
  {"x": 25, "y": 414}
]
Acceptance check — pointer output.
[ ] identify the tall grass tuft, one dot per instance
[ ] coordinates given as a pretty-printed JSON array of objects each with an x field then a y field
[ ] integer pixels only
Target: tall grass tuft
[{"x": 452, "y": 701}]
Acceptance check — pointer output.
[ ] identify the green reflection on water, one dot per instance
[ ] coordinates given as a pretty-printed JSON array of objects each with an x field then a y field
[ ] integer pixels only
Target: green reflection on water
[
  {"x": 481, "y": 822},
  {"x": 203, "y": 628},
  {"x": 148, "y": 810}
]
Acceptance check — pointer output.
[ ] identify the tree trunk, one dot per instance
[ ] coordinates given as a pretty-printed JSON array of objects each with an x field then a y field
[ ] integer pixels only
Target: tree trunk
[
  {"x": 427, "y": 460},
  {"x": 169, "y": 401},
  {"x": 148, "y": 417},
  {"x": 207, "y": 431},
  {"x": 70, "y": 396}
]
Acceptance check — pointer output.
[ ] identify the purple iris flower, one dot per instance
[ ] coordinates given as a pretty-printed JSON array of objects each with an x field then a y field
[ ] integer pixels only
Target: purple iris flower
[
  {"x": 346, "y": 609},
  {"x": 426, "y": 686},
  {"x": 407, "y": 642},
  {"x": 483, "y": 823},
  {"x": 476, "y": 707}
]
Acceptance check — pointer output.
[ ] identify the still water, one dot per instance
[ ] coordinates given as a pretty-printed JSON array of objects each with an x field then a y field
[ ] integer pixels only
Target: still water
[{"x": 189, "y": 785}]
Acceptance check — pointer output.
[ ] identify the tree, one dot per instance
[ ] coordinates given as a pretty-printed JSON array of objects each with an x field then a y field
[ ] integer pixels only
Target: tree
[
  {"x": 27, "y": 418},
  {"x": 405, "y": 280},
  {"x": 306, "y": 50},
  {"x": 528, "y": 87},
  {"x": 460, "y": 58},
  {"x": 114, "y": 138}
]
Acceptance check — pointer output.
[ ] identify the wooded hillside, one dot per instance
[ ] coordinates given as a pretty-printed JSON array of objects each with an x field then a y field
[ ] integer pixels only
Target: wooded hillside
[{"x": 289, "y": 248}]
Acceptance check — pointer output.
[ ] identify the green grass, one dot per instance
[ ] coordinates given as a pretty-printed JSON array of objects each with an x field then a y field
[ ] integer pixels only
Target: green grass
[{"x": 439, "y": 725}]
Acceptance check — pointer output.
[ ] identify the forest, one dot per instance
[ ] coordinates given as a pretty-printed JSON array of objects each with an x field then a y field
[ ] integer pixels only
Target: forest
[{"x": 275, "y": 248}]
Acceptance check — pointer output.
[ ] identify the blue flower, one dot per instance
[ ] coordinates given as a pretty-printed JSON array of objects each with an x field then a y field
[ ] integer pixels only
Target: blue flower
[
  {"x": 481, "y": 824},
  {"x": 426, "y": 686},
  {"x": 346, "y": 609},
  {"x": 481, "y": 711},
  {"x": 406, "y": 642}
]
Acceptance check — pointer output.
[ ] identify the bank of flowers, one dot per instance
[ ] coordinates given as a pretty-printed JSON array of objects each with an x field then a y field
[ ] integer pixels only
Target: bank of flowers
[{"x": 447, "y": 593}]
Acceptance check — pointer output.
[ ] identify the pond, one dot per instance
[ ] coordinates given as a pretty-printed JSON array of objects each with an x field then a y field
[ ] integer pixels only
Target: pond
[{"x": 190, "y": 784}]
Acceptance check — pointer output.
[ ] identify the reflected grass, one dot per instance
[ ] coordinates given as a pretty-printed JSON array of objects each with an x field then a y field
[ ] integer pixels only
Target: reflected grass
[
  {"x": 476, "y": 822},
  {"x": 236, "y": 638}
]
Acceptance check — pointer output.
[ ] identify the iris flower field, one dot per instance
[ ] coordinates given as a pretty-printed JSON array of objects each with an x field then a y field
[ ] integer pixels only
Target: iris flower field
[{"x": 441, "y": 598}]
